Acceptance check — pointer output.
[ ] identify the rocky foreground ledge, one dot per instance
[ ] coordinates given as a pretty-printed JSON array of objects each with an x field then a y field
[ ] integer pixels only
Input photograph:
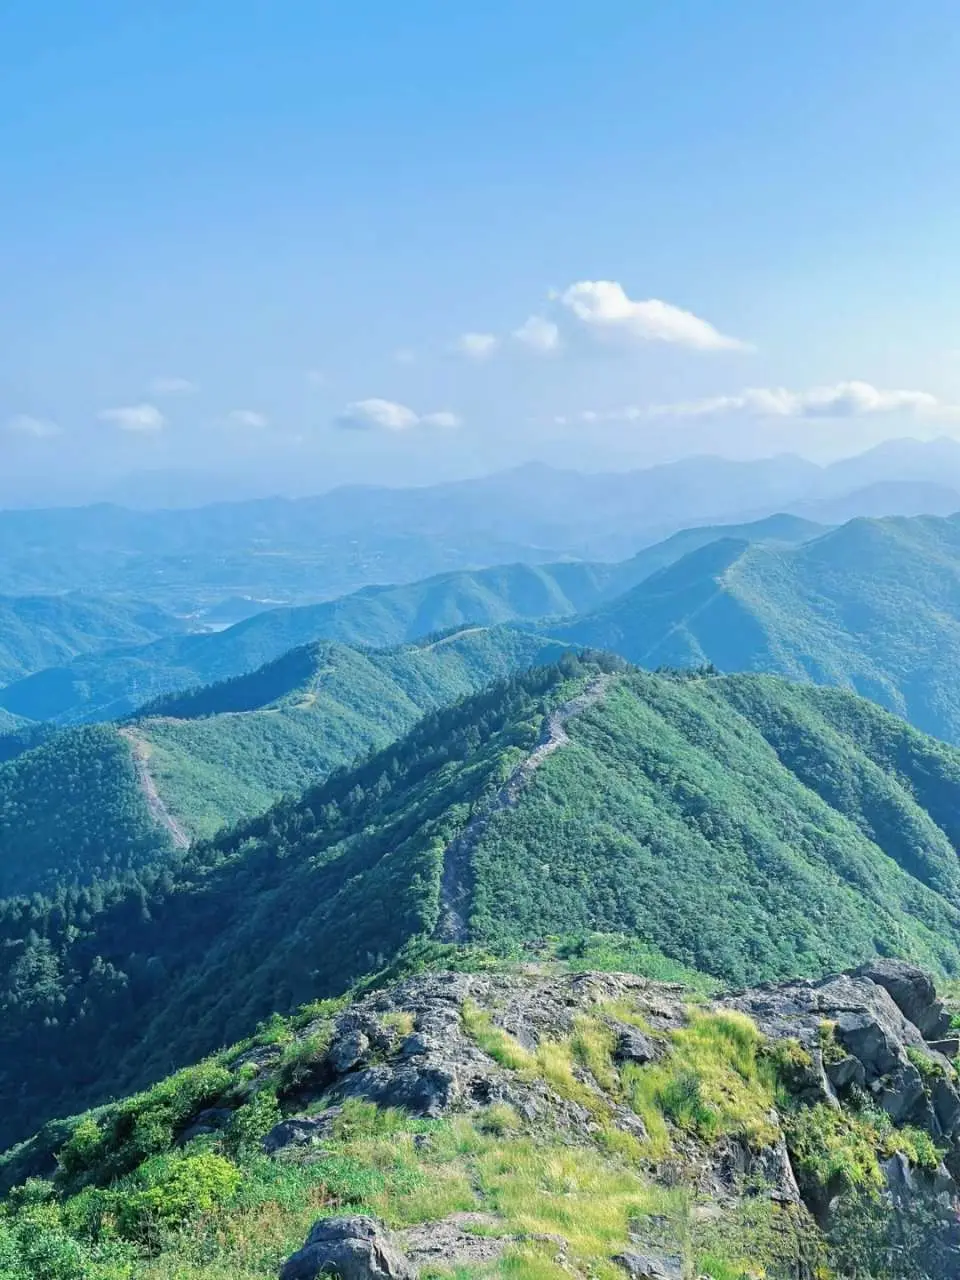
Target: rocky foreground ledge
[{"x": 813, "y": 1097}]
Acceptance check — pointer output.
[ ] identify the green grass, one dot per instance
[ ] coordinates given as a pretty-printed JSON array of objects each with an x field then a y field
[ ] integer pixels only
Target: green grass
[{"x": 713, "y": 1081}]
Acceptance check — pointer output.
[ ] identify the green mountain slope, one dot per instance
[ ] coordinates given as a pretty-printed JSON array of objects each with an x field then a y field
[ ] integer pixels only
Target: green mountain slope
[
  {"x": 873, "y": 606},
  {"x": 70, "y": 808},
  {"x": 44, "y": 631},
  {"x": 228, "y": 751},
  {"x": 118, "y": 683},
  {"x": 749, "y": 828},
  {"x": 89, "y": 802}
]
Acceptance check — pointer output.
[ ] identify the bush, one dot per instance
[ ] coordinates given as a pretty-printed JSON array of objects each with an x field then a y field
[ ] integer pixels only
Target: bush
[
  {"x": 140, "y": 1127},
  {"x": 252, "y": 1122},
  {"x": 169, "y": 1191},
  {"x": 833, "y": 1151}
]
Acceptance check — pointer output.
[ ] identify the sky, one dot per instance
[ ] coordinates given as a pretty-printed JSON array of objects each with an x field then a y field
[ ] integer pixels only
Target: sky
[{"x": 252, "y": 247}]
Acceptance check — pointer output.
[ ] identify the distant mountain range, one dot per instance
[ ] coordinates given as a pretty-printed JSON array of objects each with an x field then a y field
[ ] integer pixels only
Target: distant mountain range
[
  {"x": 106, "y": 686},
  {"x": 873, "y": 605},
  {"x": 310, "y": 549}
]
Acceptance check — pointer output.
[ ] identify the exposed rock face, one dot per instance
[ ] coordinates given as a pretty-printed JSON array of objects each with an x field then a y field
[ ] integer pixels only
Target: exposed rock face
[
  {"x": 411, "y": 1046},
  {"x": 648, "y": 1266},
  {"x": 450, "y": 1242},
  {"x": 912, "y": 991},
  {"x": 352, "y": 1248},
  {"x": 876, "y": 1044},
  {"x": 438, "y": 1067},
  {"x": 299, "y": 1131}
]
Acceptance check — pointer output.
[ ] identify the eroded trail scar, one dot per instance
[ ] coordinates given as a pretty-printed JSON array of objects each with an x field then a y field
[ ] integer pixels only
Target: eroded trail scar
[
  {"x": 455, "y": 884},
  {"x": 158, "y": 810}
]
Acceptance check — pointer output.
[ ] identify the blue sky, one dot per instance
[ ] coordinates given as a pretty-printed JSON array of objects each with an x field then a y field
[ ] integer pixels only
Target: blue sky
[{"x": 250, "y": 238}]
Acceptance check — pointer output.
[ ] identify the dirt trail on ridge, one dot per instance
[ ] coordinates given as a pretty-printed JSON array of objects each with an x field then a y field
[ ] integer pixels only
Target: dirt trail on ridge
[
  {"x": 455, "y": 883},
  {"x": 155, "y": 803}
]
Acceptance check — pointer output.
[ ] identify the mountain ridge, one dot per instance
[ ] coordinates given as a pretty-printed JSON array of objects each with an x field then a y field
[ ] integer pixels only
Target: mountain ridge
[{"x": 746, "y": 827}]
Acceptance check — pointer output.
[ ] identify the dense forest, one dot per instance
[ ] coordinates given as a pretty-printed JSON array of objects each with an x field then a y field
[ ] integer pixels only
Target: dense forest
[
  {"x": 72, "y": 810},
  {"x": 747, "y": 828},
  {"x": 873, "y": 606}
]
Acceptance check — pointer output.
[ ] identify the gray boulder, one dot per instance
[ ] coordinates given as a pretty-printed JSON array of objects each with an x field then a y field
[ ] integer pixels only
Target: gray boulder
[
  {"x": 352, "y": 1248},
  {"x": 650, "y": 1266},
  {"x": 845, "y": 1073},
  {"x": 634, "y": 1046},
  {"x": 912, "y": 991},
  {"x": 901, "y": 1093},
  {"x": 946, "y": 1107},
  {"x": 348, "y": 1051},
  {"x": 210, "y": 1120},
  {"x": 300, "y": 1131}
]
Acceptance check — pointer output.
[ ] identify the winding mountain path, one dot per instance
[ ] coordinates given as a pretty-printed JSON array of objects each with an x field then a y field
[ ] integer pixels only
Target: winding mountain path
[
  {"x": 155, "y": 803},
  {"x": 455, "y": 883}
]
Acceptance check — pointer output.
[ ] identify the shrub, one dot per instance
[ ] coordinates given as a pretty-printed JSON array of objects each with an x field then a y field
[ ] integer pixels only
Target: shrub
[
  {"x": 169, "y": 1191},
  {"x": 499, "y": 1118},
  {"x": 833, "y": 1150},
  {"x": 140, "y": 1127},
  {"x": 83, "y": 1149},
  {"x": 252, "y": 1122},
  {"x": 300, "y": 1058},
  {"x": 832, "y": 1050},
  {"x": 791, "y": 1062}
]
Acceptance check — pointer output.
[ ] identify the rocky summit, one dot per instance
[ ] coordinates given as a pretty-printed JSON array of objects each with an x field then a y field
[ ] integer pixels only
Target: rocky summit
[
  {"x": 789, "y": 1101},
  {"x": 536, "y": 1121}
]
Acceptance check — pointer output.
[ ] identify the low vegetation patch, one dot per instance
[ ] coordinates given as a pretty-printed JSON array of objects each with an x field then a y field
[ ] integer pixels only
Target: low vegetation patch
[{"x": 714, "y": 1081}]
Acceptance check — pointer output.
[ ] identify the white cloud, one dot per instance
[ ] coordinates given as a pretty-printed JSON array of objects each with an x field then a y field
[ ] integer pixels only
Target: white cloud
[
  {"x": 478, "y": 346},
  {"x": 842, "y": 400},
  {"x": 604, "y": 308},
  {"x": 172, "y": 387},
  {"x": 386, "y": 415},
  {"x": 538, "y": 334},
  {"x": 246, "y": 418},
  {"x": 40, "y": 428},
  {"x": 441, "y": 419},
  {"x": 135, "y": 417}
]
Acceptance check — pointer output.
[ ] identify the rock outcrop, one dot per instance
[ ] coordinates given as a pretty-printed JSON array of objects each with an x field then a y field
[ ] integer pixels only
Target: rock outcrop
[
  {"x": 862, "y": 1030},
  {"x": 351, "y": 1248},
  {"x": 859, "y": 1043}
]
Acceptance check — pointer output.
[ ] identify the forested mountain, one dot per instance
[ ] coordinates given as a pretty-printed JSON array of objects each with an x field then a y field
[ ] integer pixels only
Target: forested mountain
[
  {"x": 9, "y": 723},
  {"x": 117, "y": 683},
  {"x": 746, "y": 827},
  {"x": 91, "y": 802},
  {"x": 44, "y": 631},
  {"x": 228, "y": 751},
  {"x": 72, "y": 808},
  {"x": 873, "y": 606}
]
